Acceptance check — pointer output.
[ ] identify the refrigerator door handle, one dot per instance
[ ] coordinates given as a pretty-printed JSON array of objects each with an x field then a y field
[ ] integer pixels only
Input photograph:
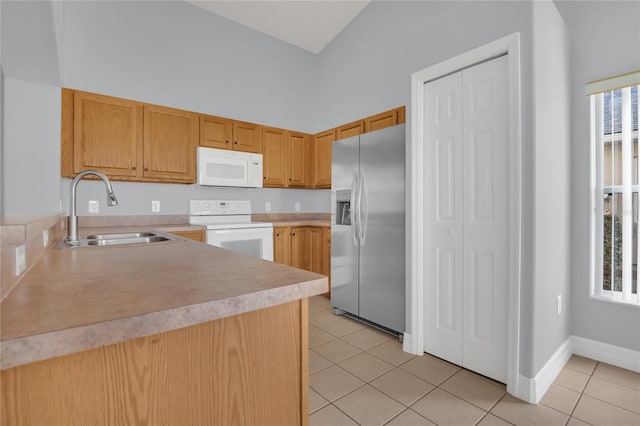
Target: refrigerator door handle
[
  {"x": 363, "y": 209},
  {"x": 354, "y": 211}
]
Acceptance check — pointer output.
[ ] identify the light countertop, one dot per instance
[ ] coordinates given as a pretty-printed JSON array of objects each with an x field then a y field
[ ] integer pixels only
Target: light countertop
[{"x": 77, "y": 299}]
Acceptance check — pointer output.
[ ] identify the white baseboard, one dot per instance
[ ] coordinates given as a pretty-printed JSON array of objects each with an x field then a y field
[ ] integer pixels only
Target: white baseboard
[
  {"x": 532, "y": 390},
  {"x": 604, "y": 352},
  {"x": 410, "y": 345}
]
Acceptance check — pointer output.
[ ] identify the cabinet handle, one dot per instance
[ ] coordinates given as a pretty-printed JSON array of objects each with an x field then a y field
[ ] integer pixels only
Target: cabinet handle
[
  {"x": 133, "y": 168},
  {"x": 146, "y": 169}
]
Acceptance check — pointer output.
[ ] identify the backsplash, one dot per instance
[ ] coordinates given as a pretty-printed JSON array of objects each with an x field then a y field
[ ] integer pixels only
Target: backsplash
[
  {"x": 27, "y": 231},
  {"x": 134, "y": 198}
]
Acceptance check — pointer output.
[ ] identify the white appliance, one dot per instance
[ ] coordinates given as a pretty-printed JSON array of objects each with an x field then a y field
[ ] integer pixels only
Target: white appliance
[
  {"x": 229, "y": 226},
  {"x": 221, "y": 167}
]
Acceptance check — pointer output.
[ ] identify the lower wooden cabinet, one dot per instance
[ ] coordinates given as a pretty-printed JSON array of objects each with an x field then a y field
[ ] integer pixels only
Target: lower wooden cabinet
[{"x": 303, "y": 247}]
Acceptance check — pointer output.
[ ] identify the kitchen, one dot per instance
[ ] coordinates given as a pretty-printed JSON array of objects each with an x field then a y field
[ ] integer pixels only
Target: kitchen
[{"x": 125, "y": 50}]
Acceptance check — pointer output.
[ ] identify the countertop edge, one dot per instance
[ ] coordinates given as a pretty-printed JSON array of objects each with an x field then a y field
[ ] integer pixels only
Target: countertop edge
[{"x": 29, "y": 349}]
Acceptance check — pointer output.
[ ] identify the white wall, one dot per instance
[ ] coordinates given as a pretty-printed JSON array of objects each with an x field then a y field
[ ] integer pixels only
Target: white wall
[
  {"x": 605, "y": 39},
  {"x": 31, "y": 147},
  {"x": 552, "y": 195}
]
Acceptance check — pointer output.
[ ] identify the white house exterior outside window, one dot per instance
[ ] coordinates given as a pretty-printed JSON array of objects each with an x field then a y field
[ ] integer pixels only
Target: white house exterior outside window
[{"x": 615, "y": 167}]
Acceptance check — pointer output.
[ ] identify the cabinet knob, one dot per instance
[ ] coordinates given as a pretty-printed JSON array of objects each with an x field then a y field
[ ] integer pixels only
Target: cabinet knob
[
  {"x": 146, "y": 169},
  {"x": 264, "y": 177},
  {"x": 134, "y": 168},
  {"x": 293, "y": 234},
  {"x": 226, "y": 141},
  {"x": 235, "y": 142},
  {"x": 290, "y": 179},
  {"x": 277, "y": 234}
]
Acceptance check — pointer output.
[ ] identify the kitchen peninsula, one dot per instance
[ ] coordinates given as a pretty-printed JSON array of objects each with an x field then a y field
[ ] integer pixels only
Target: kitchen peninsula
[{"x": 166, "y": 333}]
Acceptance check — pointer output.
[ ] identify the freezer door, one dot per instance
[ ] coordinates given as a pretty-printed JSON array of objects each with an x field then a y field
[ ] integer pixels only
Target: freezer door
[
  {"x": 344, "y": 249},
  {"x": 382, "y": 211}
]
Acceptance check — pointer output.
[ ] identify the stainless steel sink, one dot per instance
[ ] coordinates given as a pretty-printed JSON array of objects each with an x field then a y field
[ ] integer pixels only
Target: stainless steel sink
[{"x": 129, "y": 238}]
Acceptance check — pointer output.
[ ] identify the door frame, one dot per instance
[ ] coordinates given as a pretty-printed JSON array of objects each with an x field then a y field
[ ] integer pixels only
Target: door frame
[{"x": 414, "y": 339}]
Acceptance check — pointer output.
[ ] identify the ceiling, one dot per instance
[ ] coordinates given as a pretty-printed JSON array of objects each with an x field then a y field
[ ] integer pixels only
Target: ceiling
[{"x": 308, "y": 24}]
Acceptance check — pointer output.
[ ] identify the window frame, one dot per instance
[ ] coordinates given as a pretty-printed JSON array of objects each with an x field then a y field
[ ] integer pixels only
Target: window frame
[{"x": 598, "y": 141}]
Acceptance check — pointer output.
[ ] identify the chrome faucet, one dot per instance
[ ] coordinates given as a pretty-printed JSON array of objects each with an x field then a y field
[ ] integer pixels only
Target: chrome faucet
[{"x": 72, "y": 232}]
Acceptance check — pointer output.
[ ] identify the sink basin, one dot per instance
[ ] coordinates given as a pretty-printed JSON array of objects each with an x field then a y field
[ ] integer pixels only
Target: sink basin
[
  {"x": 129, "y": 238},
  {"x": 120, "y": 236}
]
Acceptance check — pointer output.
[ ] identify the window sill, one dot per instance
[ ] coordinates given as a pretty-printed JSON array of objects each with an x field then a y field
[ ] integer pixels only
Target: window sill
[{"x": 615, "y": 300}]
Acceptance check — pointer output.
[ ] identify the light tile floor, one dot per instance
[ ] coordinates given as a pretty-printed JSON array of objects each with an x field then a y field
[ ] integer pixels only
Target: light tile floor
[{"x": 360, "y": 376}]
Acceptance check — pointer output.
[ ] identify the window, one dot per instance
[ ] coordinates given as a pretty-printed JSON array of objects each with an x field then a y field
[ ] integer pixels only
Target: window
[{"x": 616, "y": 189}]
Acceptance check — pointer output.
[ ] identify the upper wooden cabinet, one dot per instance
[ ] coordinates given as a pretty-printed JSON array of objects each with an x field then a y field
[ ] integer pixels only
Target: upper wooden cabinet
[
  {"x": 246, "y": 137},
  {"x": 223, "y": 133},
  {"x": 322, "y": 153},
  {"x": 170, "y": 141},
  {"x": 352, "y": 129},
  {"x": 215, "y": 132},
  {"x": 285, "y": 158},
  {"x": 104, "y": 133},
  {"x": 274, "y": 161},
  {"x": 382, "y": 120},
  {"x": 127, "y": 140},
  {"x": 298, "y": 152}
]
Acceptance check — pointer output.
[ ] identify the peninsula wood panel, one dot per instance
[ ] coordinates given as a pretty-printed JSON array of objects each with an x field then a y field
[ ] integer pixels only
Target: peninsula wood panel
[
  {"x": 191, "y": 235},
  {"x": 170, "y": 141},
  {"x": 107, "y": 134},
  {"x": 322, "y": 175},
  {"x": 250, "y": 369},
  {"x": 215, "y": 132},
  {"x": 274, "y": 160}
]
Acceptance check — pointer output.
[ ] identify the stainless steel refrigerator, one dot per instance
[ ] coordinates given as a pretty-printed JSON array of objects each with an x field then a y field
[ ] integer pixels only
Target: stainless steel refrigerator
[{"x": 368, "y": 227}]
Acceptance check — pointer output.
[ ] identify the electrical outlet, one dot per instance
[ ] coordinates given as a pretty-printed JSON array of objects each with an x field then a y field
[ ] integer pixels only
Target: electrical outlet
[
  {"x": 296, "y": 206},
  {"x": 21, "y": 259},
  {"x": 559, "y": 304},
  {"x": 94, "y": 206},
  {"x": 45, "y": 238},
  {"x": 155, "y": 206},
  {"x": 267, "y": 206}
]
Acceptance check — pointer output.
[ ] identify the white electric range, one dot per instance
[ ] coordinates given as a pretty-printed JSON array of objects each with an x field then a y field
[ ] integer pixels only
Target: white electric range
[{"x": 229, "y": 226}]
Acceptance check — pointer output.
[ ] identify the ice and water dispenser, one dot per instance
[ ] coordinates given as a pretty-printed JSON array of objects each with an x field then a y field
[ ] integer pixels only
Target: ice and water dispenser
[{"x": 343, "y": 207}]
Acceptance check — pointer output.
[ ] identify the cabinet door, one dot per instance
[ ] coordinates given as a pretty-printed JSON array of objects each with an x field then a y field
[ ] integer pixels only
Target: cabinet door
[
  {"x": 274, "y": 161},
  {"x": 215, "y": 132},
  {"x": 298, "y": 247},
  {"x": 314, "y": 248},
  {"x": 326, "y": 254},
  {"x": 322, "y": 154},
  {"x": 382, "y": 120},
  {"x": 107, "y": 135},
  {"x": 247, "y": 137},
  {"x": 170, "y": 141},
  {"x": 352, "y": 129},
  {"x": 298, "y": 154},
  {"x": 282, "y": 245}
]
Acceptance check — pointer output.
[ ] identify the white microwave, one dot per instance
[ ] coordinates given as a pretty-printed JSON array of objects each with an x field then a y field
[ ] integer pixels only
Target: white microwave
[{"x": 221, "y": 167}]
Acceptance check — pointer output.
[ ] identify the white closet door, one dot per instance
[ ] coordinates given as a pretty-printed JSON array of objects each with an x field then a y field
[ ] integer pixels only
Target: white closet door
[
  {"x": 444, "y": 217},
  {"x": 485, "y": 153},
  {"x": 466, "y": 218}
]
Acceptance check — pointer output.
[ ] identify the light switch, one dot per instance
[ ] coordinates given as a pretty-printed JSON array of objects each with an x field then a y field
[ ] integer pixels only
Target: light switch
[{"x": 155, "y": 206}]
